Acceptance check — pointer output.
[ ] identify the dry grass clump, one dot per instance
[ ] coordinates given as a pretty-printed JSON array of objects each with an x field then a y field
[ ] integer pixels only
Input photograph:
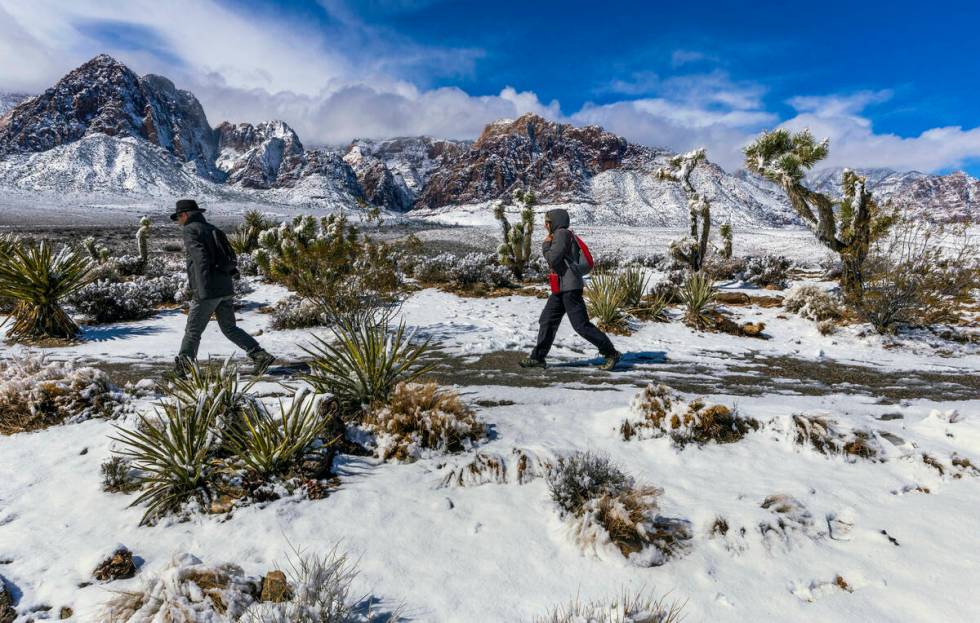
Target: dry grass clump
[
  {"x": 629, "y": 608},
  {"x": 319, "y": 591},
  {"x": 827, "y": 437},
  {"x": 422, "y": 418},
  {"x": 187, "y": 590},
  {"x": 36, "y": 394},
  {"x": 609, "y": 509},
  {"x": 661, "y": 411},
  {"x": 789, "y": 516},
  {"x": 520, "y": 466},
  {"x": 814, "y": 303}
]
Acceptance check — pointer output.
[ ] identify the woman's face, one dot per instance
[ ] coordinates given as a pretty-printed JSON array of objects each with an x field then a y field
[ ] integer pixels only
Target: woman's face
[{"x": 547, "y": 225}]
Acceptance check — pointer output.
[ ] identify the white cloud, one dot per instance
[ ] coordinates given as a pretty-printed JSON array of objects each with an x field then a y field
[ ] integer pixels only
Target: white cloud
[{"x": 356, "y": 81}]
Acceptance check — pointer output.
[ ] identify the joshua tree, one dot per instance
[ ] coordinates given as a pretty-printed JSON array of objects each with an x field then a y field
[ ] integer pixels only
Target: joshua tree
[
  {"x": 142, "y": 239},
  {"x": 726, "y": 236},
  {"x": 783, "y": 157},
  {"x": 692, "y": 249},
  {"x": 515, "y": 251},
  {"x": 96, "y": 251}
]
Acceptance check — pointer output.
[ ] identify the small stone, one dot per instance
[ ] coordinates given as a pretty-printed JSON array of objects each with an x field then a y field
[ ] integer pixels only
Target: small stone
[
  {"x": 275, "y": 588},
  {"x": 66, "y": 613},
  {"x": 222, "y": 504},
  {"x": 83, "y": 452},
  {"x": 118, "y": 566}
]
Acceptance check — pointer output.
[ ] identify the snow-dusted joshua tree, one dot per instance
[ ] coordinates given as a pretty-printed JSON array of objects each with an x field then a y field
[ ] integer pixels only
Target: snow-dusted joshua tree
[
  {"x": 515, "y": 251},
  {"x": 784, "y": 158},
  {"x": 692, "y": 248}
]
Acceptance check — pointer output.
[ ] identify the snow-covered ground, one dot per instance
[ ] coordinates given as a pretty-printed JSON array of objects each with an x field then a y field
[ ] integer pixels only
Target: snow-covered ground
[{"x": 500, "y": 552}]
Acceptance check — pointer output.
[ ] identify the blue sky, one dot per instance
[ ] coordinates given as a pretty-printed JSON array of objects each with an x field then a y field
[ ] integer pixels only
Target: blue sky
[{"x": 891, "y": 84}]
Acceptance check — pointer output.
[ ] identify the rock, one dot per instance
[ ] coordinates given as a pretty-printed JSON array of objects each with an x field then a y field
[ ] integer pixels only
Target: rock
[
  {"x": 753, "y": 329},
  {"x": 65, "y": 613},
  {"x": 275, "y": 588},
  {"x": 222, "y": 504},
  {"x": 118, "y": 566},
  {"x": 733, "y": 298},
  {"x": 7, "y": 612}
]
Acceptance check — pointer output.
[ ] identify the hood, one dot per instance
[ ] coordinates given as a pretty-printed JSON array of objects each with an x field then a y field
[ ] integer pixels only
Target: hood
[{"x": 559, "y": 219}]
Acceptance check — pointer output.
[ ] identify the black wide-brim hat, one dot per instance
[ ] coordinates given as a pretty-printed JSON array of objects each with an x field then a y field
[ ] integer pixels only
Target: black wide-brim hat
[{"x": 185, "y": 205}]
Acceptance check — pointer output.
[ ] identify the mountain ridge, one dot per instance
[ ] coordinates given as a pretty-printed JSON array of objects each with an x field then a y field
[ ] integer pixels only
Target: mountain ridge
[{"x": 104, "y": 129}]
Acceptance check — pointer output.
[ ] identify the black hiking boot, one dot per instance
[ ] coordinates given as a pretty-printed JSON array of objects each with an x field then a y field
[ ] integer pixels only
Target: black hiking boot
[
  {"x": 611, "y": 360},
  {"x": 531, "y": 362},
  {"x": 261, "y": 361},
  {"x": 181, "y": 366}
]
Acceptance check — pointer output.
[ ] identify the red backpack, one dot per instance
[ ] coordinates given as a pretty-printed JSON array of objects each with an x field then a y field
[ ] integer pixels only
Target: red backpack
[{"x": 584, "y": 264}]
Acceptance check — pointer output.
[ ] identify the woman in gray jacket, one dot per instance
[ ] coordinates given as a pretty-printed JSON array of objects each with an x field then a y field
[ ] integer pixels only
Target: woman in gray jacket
[{"x": 561, "y": 251}]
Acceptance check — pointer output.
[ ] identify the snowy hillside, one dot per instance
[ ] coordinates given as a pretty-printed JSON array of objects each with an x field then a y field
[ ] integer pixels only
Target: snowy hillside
[{"x": 9, "y": 100}]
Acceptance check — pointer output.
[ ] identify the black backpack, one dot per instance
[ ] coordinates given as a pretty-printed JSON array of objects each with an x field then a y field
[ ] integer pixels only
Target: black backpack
[{"x": 224, "y": 258}]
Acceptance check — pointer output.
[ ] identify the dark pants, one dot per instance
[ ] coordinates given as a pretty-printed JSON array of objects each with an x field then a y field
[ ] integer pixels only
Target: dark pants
[
  {"x": 573, "y": 304},
  {"x": 197, "y": 320}
]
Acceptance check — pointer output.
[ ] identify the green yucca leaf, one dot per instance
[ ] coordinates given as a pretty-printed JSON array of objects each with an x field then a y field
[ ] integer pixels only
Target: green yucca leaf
[
  {"x": 269, "y": 445},
  {"x": 634, "y": 281},
  {"x": 606, "y": 301},
  {"x": 365, "y": 360},
  {"x": 38, "y": 279},
  {"x": 698, "y": 296},
  {"x": 171, "y": 454}
]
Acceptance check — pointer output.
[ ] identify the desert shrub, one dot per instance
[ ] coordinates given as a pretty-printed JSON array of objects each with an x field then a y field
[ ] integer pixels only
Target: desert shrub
[
  {"x": 420, "y": 419},
  {"x": 186, "y": 590},
  {"x": 608, "y": 508},
  {"x": 918, "y": 274},
  {"x": 329, "y": 262},
  {"x": 367, "y": 359},
  {"x": 766, "y": 271},
  {"x": 320, "y": 592},
  {"x": 35, "y": 393},
  {"x": 584, "y": 476},
  {"x": 171, "y": 452},
  {"x": 118, "y": 476},
  {"x": 105, "y": 301},
  {"x": 463, "y": 272},
  {"x": 129, "y": 265},
  {"x": 605, "y": 299},
  {"x": 654, "y": 306},
  {"x": 519, "y": 466},
  {"x": 721, "y": 268},
  {"x": 217, "y": 385},
  {"x": 827, "y": 436},
  {"x": 698, "y": 297},
  {"x": 633, "y": 281},
  {"x": 270, "y": 444},
  {"x": 660, "y": 412},
  {"x": 788, "y": 516},
  {"x": 40, "y": 280},
  {"x": 813, "y": 302},
  {"x": 294, "y": 312},
  {"x": 629, "y": 608}
]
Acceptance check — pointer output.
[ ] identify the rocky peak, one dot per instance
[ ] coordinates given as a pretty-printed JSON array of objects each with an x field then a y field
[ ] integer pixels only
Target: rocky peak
[
  {"x": 254, "y": 156},
  {"x": 103, "y": 96},
  {"x": 557, "y": 160}
]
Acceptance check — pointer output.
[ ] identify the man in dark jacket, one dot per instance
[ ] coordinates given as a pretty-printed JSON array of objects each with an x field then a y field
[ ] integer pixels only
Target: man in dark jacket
[
  {"x": 211, "y": 276},
  {"x": 561, "y": 250}
]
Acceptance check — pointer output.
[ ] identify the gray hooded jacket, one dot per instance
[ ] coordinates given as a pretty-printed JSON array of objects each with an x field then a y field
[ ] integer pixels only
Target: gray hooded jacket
[{"x": 562, "y": 251}]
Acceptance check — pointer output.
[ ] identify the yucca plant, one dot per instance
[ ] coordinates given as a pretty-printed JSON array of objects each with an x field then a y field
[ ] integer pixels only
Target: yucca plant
[
  {"x": 270, "y": 444},
  {"x": 654, "y": 307},
  {"x": 634, "y": 281},
  {"x": 365, "y": 361},
  {"x": 698, "y": 296},
  {"x": 39, "y": 279},
  {"x": 171, "y": 454},
  {"x": 217, "y": 385},
  {"x": 606, "y": 300},
  {"x": 242, "y": 241}
]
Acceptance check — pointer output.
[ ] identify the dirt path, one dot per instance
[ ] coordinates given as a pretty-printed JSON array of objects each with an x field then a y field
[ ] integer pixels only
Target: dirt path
[{"x": 740, "y": 376}]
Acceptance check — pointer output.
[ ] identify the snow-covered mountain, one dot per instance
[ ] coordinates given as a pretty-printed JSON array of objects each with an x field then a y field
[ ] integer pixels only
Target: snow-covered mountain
[
  {"x": 104, "y": 129},
  {"x": 943, "y": 198},
  {"x": 9, "y": 100}
]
